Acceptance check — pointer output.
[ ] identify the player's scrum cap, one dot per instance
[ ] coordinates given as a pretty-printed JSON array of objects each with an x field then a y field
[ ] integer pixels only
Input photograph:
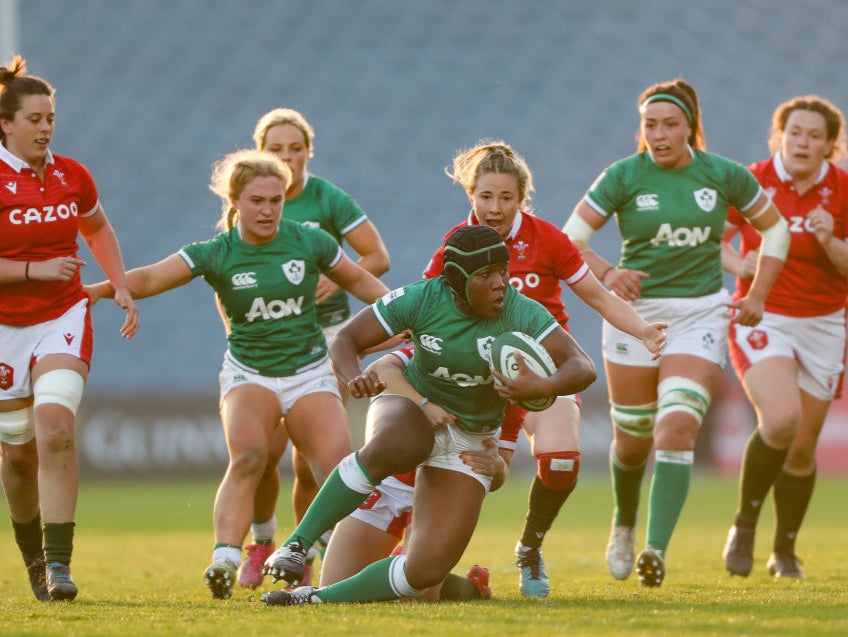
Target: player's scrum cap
[{"x": 469, "y": 250}]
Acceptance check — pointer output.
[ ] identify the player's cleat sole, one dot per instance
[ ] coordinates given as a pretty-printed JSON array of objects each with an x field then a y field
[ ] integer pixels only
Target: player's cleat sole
[
  {"x": 533, "y": 578},
  {"x": 738, "y": 553},
  {"x": 620, "y": 554},
  {"x": 250, "y": 572},
  {"x": 784, "y": 565},
  {"x": 60, "y": 585},
  {"x": 220, "y": 578},
  {"x": 286, "y": 563},
  {"x": 651, "y": 568},
  {"x": 37, "y": 571},
  {"x": 296, "y": 597}
]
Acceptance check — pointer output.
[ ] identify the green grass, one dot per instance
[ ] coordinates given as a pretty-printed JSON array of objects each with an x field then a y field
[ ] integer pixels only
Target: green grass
[{"x": 141, "y": 549}]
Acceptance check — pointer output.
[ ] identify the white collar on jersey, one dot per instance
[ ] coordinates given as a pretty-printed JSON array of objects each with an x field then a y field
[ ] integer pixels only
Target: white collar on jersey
[
  {"x": 784, "y": 175},
  {"x": 516, "y": 223},
  {"x": 18, "y": 164}
]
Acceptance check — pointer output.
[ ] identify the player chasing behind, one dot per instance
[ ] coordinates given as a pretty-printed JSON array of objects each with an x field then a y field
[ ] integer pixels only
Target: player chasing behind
[
  {"x": 670, "y": 199},
  {"x": 265, "y": 270}
]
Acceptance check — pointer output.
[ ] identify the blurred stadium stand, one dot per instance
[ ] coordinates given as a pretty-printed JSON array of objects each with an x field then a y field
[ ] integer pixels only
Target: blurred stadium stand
[{"x": 151, "y": 92}]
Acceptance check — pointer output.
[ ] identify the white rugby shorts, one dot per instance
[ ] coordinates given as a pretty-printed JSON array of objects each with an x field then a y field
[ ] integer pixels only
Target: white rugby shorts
[
  {"x": 388, "y": 507},
  {"x": 816, "y": 342},
  {"x": 287, "y": 389},
  {"x": 22, "y": 347},
  {"x": 452, "y": 441},
  {"x": 696, "y": 326}
]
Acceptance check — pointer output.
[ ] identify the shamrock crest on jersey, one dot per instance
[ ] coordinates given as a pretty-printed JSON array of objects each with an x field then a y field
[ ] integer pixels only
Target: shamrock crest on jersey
[
  {"x": 294, "y": 270},
  {"x": 706, "y": 199}
]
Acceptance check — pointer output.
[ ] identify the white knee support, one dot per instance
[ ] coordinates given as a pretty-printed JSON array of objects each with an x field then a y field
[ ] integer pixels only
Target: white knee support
[
  {"x": 61, "y": 387},
  {"x": 678, "y": 393},
  {"x": 353, "y": 475},
  {"x": 17, "y": 427},
  {"x": 637, "y": 420},
  {"x": 675, "y": 457}
]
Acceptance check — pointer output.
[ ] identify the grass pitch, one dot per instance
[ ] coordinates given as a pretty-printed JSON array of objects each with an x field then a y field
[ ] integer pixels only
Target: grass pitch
[{"x": 141, "y": 549}]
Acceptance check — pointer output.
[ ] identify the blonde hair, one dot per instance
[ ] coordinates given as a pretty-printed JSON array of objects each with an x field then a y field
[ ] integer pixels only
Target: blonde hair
[
  {"x": 492, "y": 156},
  {"x": 231, "y": 175},
  {"x": 280, "y": 116},
  {"x": 834, "y": 122}
]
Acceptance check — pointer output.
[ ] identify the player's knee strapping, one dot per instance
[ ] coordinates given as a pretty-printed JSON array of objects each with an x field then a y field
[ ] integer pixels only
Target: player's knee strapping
[
  {"x": 637, "y": 420},
  {"x": 681, "y": 394},
  {"x": 17, "y": 427},
  {"x": 61, "y": 387},
  {"x": 354, "y": 475},
  {"x": 558, "y": 470}
]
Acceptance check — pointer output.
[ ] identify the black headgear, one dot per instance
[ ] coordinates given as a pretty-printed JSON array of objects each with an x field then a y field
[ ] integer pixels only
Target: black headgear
[{"x": 469, "y": 250}]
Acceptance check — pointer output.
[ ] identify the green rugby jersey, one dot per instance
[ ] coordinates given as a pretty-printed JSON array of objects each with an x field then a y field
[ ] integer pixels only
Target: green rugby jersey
[
  {"x": 671, "y": 219},
  {"x": 323, "y": 205},
  {"x": 268, "y": 294},
  {"x": 451, "y": 362}
]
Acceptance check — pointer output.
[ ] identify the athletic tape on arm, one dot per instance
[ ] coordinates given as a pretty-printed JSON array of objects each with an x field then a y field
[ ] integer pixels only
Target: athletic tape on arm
[
  {"x": 578, "y": 230},
  {"x": 776, "y": 240}
]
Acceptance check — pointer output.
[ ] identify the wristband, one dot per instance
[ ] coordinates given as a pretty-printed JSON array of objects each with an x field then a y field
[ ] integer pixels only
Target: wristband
[
  {"x": 26, "y": 272},
  {"x": 423, "y": 403},
  {"x": 606, "y": 272}
]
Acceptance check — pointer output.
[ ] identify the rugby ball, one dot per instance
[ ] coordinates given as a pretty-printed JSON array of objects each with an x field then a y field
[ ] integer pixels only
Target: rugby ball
[{"x": 502, "y": 358}]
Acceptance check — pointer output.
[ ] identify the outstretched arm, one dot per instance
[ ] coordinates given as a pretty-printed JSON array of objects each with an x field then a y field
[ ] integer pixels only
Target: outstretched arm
[
  {"x": 620, "y": 314},
  {"x": 373, "y": 256},
  {"x": 101, "y": 240},
  {"x": 356, "y": 280},
  {"x": 150, "y": 280}
]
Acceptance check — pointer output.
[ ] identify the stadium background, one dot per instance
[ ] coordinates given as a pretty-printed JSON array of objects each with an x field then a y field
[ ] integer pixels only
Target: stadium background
[{"x": 151, "y": 92}]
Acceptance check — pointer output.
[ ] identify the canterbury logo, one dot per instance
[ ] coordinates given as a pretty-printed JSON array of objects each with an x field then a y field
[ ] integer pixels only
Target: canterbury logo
[
  {"x": 12, "y": 187},
  {"x": 244, "y": 280},
  {"x": 432, "y": 344},
  {"x": 648, "y": 202},
  {"x": 69, "y": 338}
]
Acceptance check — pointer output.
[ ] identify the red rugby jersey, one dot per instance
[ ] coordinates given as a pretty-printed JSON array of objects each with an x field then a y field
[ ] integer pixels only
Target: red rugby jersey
[
  {"x": 540, "y": 257},
  {"x": 40, "y": 221},
  {"x": 808, "y": 284}
]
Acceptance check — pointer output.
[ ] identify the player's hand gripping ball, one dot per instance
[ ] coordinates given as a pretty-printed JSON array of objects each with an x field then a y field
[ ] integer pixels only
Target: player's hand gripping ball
[{"x": 535, "y": 357}]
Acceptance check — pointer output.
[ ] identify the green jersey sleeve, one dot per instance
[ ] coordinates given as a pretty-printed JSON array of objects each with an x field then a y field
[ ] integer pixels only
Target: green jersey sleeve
[{"x": 324, "y": 205}]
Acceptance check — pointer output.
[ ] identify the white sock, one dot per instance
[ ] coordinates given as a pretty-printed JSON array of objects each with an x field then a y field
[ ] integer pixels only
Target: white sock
[
  {"x": 226, "y": 554},
  {"x": 264, "y": 531}
]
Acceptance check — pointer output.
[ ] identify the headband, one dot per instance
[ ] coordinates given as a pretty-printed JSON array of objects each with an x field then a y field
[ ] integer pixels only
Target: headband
[
  {"x": 462, "y": 263},
  {"x": 665, "y": 97}
]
